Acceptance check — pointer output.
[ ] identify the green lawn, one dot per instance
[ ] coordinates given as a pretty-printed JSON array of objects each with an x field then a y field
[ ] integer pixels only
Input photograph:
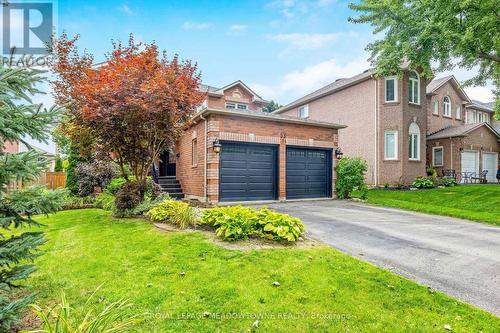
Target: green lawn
[
  {"x": 322, "y": 290},
  {"x": 474, "y": 202}
]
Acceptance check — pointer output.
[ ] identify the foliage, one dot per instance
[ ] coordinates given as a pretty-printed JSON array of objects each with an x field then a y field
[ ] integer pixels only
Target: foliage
[
  {"x": 75, "y": 202},
  {"x": 74, "y": 158},
  {"x": 117, "y": 183},
  {"x": 424, "y": 182},
  {"x": 105, "y": 201},
  {"x": 176, "y": 212},
  {"x": 271, "y": 107},
  {"x": 438, "y": 32},
  {"x": 134, "y": 105},
  {"x": 237, "y": 222},
  {"x": 129, "y": 196},
  {"x": 20, "y": 118},
  {"x": 149, "y": 203},
  {"x": 231, "y": 223},
  {"x": 108, "y": 317},
  {"x": 95, "y": 174},
  {"x": 278, "y": 226},
  {"x": 351, "y": 176},
  {"x": 431, "y": 172},
  {"x": 58, "y": 167},
  {"x": 446, "y": 182}
]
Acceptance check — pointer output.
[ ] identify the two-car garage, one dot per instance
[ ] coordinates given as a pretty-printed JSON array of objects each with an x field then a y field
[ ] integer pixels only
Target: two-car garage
[{"x": 250, "y": 172}]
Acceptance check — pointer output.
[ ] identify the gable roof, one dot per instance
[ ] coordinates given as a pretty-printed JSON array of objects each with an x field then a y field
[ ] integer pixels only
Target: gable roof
[
  {"x": 438, "y": 83},
  {"x": 220, "y": 91},
  {"x": 456, "y": 131},
  {"x": 328, "y": 89},
  {"x": 496, "y": 126}
]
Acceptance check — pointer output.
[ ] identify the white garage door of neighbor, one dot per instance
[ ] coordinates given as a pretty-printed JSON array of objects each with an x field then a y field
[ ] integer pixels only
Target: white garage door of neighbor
[
  {"x": 470, "y": 161},
  {"x": 490, "y": 163}
]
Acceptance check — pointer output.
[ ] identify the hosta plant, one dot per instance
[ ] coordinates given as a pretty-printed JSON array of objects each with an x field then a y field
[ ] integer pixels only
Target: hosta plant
[
  {"x": 279, "y": 226},
  {"x": 175, "y": 212},
  {"x": 231, "y": 223}
]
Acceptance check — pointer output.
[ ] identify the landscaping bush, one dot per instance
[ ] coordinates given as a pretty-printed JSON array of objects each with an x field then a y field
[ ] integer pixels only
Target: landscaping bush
[
  {"x": 129, "y": 196},
  {"x": 117, "y": 183},
  {"x": 105, "y": 201},
  {"x": 237, "y": 222},
  {"x": 351, "y": 176},
  {"x": 231, "y": 223},
  {"x": 278, "y": 226},
  {"x": 447, "y": 182},
  {"x": 147, "y": 204},
  {"x": 91, "y": 175},
  {"x": 176, "y": 212},
  {"x": 74, "y": 202},
  {"x": 423, "y": 182},
  {"x": 431, "y": 172}
]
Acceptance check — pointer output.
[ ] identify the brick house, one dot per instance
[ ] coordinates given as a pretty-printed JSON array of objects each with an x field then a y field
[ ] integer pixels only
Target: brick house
[
  {"x": 392, "y": 123},
  {"x": 232, "y": 151}
]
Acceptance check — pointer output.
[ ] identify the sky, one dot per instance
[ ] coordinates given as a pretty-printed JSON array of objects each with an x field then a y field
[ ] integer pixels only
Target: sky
[{"x": 283, "y": 49}]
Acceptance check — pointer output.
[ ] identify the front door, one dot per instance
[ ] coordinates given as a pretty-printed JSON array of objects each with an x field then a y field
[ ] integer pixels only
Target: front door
[{"x": 167, "y": 164}]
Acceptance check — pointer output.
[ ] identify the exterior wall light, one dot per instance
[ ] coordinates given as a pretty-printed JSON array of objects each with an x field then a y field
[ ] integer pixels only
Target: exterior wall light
[
  {"x": 338, "y": 153},
  {"x": 217, "y": 146}
]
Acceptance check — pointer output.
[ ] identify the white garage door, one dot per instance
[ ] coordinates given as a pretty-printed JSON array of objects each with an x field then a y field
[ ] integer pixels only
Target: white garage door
[
  {"x": 470, "y": 161},
  {"x": 490, "y": 163}
]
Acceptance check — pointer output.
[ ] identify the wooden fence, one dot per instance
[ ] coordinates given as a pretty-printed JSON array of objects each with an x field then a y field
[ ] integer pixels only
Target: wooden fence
[{"x": 52, "y": 180}]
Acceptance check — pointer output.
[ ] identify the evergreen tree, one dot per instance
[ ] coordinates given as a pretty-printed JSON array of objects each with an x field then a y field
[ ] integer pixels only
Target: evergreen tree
[
  {"x": 58, "y": 167},
  {"x": 19, "y": 118},
  {"x": 271, "y": 107}
]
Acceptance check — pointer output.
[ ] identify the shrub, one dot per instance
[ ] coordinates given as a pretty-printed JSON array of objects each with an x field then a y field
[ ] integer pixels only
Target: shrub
[
  {"x": 58, "y": 167},
  {"x": 237, "y": 222},
  {"x": 447, "y": 182},
  {"x": 278, "y": 226},
  {"x": 423, "y": 182},
  {"x": 91, "y": 175},
  {"x": 351, "y": 176},
  {"x": 431, "y": 172},
  {"x": 129, "y": 196},
  {"x": 231, "y": 223},
  {"x": 117, "y": 183},
  {"x": 147, "y": 204},
  {"x": 176, "y": 212},
  {"x": 105, "y": 201},
  {"x": 73, "y": 202},
  {"x": 111, "y": 317}
]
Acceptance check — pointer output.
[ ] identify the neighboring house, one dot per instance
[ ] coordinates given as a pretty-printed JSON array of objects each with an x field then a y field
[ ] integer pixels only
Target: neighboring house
[
  {"x": 262, "y": 156},
  {"x": 16, "y": 147},
  {"x": 460, "y": 133},
  {"x": 396, "y": 124}
]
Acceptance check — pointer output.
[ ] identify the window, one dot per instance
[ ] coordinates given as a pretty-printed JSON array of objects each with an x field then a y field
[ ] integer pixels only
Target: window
[
  {"x": 239, "y": 106},
  {"x": 486, "y": 118},
  {"x": 458, "y": 114},
  {"x": 202, "y": 106},
  {"x": 446, "y": 106},
  {"x": 391, "y": 145},
  {"x": 414, "y": 88},
  {"x": 479, "y": 117},
  {"x": 437, "y": 156},
  {"x": 391, "y": 89},
  {"x": 303, "y": 111},
  {"x": 436, "y": 106},
  {"x": 414, "y": 142},
  {"x": 194, "y": 152}
]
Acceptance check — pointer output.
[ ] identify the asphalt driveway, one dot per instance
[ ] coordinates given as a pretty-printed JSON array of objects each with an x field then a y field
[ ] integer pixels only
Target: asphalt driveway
[{"x": 458, "y": 257}]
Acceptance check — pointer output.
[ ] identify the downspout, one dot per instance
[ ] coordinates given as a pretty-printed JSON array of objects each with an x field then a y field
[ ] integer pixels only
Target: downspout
[
  {"x": 205, "y": 159},
  {"x": 451, "y": 153},
  {"x": 376, "y": 132}
]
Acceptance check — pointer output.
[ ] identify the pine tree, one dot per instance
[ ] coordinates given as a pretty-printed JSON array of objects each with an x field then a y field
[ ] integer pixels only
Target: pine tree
[{"x": 20, "y": 118}]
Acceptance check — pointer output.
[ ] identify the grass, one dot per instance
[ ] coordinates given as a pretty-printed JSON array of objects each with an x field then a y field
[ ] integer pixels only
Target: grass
[
  {"x": 473, "y": 202},
  {"x": 321, "y": 290}
]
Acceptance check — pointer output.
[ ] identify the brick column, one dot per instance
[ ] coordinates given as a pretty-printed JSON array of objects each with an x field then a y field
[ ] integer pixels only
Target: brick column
[{"x": 282, "y": 167}]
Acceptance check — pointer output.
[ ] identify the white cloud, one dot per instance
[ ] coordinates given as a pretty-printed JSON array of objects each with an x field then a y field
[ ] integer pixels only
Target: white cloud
[
  {"x": 296, "y": 84},
  {"x": 289, "y": 8},
  {"x": 237, "y": 29},
  {"x": 126, "y": 9},
  {"x": 301, "y": 41},
  {"x": 190, "y": 25}
]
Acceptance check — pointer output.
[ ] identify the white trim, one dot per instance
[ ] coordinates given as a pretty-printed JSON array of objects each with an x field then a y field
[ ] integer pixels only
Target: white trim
[
  {"x": 433, "y": 156},
  {"x": 447, "y": 104},
  {"x": 411, "y": 83},
  {"x": 236, "y": 106},
  {"x": 305, "y": 108},
  {"x": 395, "y": 79},
  {"x": 436, "y": 109},
  {"x": 411, "y": 133},
  {"x": 458, "y": 112},
  {"x": 395, "y": 157}
]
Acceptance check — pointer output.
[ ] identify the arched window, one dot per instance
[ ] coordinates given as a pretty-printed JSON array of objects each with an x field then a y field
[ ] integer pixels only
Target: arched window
[
  {"x": 414, "y": 88},
  {"x": 447, "y": 106},
  {"x": 414, "y": 142}
]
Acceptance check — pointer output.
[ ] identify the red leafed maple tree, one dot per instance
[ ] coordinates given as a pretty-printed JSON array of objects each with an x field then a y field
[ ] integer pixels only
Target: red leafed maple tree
[{"x": 134, "y": 104}]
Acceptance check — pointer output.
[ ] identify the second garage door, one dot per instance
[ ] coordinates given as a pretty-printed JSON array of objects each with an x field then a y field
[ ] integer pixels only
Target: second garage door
[
  {"x": 308, "y": 173},
  {"x": 490, "y": 163},
  {"x": 247, "y": 172}
]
